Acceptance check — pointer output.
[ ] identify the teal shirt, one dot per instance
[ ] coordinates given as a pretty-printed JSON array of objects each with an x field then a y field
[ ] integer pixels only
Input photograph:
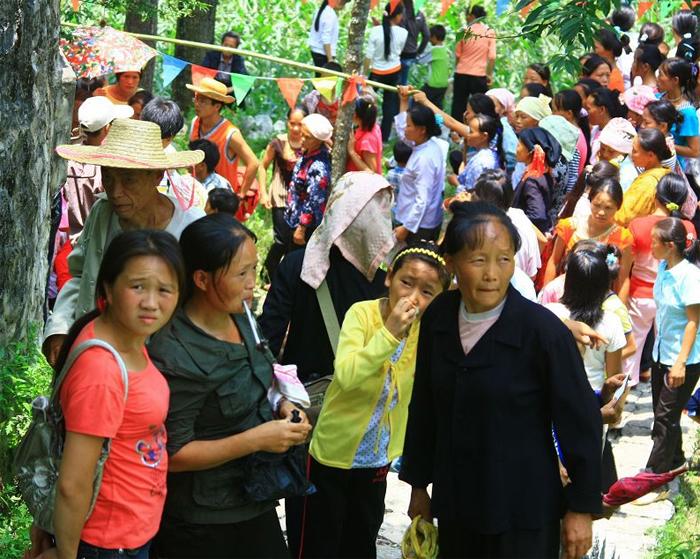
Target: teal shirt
[
  {"x": 439, "y": 67},
  {"x": 217, "y": 389}
]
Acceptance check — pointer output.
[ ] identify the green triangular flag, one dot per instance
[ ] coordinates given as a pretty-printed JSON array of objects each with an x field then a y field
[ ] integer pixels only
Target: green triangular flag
[
  {"x": 339, "y": 88},
  {"x": 242, "y": 84}
]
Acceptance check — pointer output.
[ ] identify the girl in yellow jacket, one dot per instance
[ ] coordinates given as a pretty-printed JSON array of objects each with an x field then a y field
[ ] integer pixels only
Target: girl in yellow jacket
[{"x": 362, "y": 423}]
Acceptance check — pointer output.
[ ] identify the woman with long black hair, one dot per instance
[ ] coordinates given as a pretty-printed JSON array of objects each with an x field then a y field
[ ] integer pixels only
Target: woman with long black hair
[
  {"x": 383, "y": 60},
  {"x": 323, "y": 35}
]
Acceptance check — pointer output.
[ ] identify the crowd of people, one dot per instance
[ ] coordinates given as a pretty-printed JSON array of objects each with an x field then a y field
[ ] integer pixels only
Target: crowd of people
[{"x": 476, "y": 306}]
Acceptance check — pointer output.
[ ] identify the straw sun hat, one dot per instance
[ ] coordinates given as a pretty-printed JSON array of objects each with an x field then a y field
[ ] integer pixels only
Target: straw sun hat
[
  {"x": 213, "y": 89},
  {"x": 131, "y": 144}
]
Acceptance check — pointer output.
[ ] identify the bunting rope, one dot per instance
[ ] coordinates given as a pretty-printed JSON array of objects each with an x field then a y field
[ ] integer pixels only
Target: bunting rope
[{"x": 251, "y": 54}]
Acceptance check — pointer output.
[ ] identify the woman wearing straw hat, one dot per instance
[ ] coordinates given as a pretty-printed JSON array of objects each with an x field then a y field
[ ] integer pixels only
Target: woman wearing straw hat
[
  {"x": 133, "y": 162},
  {"x": 210, "y": 96}
]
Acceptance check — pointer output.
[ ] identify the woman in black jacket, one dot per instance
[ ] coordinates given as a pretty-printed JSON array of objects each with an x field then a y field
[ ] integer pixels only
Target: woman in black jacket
[{"x": 495, "y": 374}]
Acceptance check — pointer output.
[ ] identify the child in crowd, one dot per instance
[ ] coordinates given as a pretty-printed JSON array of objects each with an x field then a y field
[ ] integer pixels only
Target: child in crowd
[
  {"x": 402, "y": 151},
  {"x": 363, "y": 420},
  {"x": 204, "y": 171},
  {"x": 438, "y": 58},
  {"x": 222, "y": 200}
]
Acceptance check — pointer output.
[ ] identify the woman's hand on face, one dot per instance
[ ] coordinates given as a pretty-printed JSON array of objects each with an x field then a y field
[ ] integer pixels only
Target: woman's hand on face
[
  {"x": 576, "y": 534},
  {"x": 420, "y": 504},
  {"x": 280, "y": 435},
  {"x": 401, "y": 317},
  {"x": 676, "y": 376}
]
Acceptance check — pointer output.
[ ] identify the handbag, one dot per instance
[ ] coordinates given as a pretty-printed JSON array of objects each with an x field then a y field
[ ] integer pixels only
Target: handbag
[
  {"x": 38, "y": 459},
  {"x": 317, "y": 388},
  {"x": 271, "y": 476}
]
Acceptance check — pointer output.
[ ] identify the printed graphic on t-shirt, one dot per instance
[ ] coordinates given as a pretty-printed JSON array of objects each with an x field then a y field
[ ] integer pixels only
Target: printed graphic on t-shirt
[{"x": 151, "y": 451}]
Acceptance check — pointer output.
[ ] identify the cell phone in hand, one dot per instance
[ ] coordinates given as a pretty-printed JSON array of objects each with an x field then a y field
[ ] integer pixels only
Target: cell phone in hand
[{"x": 620, "y": 391}]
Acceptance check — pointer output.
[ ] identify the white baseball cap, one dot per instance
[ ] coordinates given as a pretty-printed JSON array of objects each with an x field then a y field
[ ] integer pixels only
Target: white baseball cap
[{"x": 97, "y": 112}]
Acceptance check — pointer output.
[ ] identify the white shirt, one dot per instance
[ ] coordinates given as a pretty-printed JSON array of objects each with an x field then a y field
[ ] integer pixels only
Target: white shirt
[
  {"x": 610, "y": 327},
  {"x": 327, "y": 33},
  {"x": 528, "y": 257},
  {"x": 375, "y": 48}
]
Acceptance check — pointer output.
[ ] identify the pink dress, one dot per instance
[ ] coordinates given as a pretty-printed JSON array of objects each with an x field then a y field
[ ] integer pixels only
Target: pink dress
[{"x": 368, "y": 141}]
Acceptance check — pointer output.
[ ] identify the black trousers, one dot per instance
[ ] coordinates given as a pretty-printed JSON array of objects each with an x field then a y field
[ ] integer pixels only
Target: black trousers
[
  {"x": 436, "y": 95},
  {"x": 282, "y": 235},
  {"x": 390, "y": 102},
  {"x": 342, "y": 519},
  {"x": 667, "y": 452},
  {"x": 456, "y": 541},
  {"x": 423, "y": 234},
  {"x": 647, "y": 352},
  {"x": 258, "y": 537},
  {"x": 463, "y": 86},
  {"x": 320, "y": 60}
]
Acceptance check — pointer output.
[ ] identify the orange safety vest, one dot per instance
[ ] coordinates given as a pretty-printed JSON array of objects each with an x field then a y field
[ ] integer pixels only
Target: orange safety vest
[{"x": 227, "y": 167}]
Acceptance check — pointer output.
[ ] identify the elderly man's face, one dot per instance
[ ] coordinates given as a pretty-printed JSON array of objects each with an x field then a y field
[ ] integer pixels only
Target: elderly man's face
[{"x": 130, "y": 191}]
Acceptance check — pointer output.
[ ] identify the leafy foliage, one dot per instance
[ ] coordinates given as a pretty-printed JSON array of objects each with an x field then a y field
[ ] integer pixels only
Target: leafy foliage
[{"x": 24, "y": 374}]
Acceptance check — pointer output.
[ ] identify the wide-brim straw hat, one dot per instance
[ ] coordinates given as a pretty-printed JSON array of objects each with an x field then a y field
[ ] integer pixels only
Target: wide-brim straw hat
[
  {"x": 213, "y": 89},
  {"x": 131, "y": 144}
]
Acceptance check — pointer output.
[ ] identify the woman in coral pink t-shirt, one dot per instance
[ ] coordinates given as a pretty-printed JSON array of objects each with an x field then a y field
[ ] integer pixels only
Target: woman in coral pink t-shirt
[
  {"x": 365, "y": 146},
  {"x": 137, "y": 292}
]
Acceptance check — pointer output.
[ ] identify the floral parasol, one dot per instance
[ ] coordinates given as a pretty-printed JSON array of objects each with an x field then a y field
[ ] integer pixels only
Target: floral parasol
[{"x": 97, "y": 51}]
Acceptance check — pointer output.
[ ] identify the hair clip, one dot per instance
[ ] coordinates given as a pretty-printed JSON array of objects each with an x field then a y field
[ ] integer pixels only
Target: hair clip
[
  {"x": 618, "y": 31},
  {"x": 643, "y": 38},
  {"x": 611, "y": 259},
  {"x": 687, "y": 35},
  {"x": 439, "y": 120},
  {"x": 672, "y": 207}
]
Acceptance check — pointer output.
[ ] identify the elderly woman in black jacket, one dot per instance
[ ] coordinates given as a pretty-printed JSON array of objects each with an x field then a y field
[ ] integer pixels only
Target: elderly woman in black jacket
[{"x": 495, "y": 376}]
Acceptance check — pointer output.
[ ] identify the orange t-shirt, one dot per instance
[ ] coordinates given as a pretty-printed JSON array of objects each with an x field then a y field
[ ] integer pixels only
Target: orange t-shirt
[
  {"x": 132, "y": 494},
  {"x": 616, "y": 80},
  {"x": 566, "y": 231},
  {"x": 220, "y": 135},
  {"x": 474, "y": 52}
]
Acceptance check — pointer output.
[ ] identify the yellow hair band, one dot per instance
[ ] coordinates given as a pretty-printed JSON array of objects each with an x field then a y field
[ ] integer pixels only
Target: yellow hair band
[{"x": 424, "y": 251}]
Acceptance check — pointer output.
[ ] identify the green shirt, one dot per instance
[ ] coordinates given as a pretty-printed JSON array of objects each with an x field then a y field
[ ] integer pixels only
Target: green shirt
[
  {"x": 439, "y": 67},
  {"x": 217, "y": 389}
]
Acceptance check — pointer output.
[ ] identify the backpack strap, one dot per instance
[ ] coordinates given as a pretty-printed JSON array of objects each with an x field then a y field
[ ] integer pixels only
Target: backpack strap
[
  {"x": 330, "y": 319},
  {"x": 73, "y": 356}
]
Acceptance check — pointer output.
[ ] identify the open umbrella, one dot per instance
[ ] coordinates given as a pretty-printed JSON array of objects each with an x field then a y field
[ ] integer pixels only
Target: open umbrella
[
  {"x": 97, "y": 51},
  {"x": 628, "y": 489}
]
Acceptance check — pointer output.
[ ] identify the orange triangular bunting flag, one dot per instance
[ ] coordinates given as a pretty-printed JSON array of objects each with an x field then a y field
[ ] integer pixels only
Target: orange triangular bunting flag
[
  {"x": 199, "y": 72},
  {"x": 290, "y": 88},
  {"x": 352, "y": 88},
  {"x": 373, "y": 4},
  {"x": 76, "y": 5},
  {"x": 445, "y": 6},
  {"x": 643, "y": 8},
  {"x": 393, "y": 4}
]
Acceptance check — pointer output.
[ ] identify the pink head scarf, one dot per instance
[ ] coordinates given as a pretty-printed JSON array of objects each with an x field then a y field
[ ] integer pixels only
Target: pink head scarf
[{"x": 505, "y": 98}]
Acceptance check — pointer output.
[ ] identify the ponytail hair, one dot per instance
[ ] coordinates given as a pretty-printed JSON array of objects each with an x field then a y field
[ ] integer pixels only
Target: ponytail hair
[
  {"x": 664, "y": 112},
  {"x": 423, "y": 116},
  {"x": 494, "y": 130},
  {"x": 671, "y": 193},
  {"x": 653, "y": 140},
  {"x": 317, "y": 21},
  {"x": 687, "y": 74},
  {"x": 651, "y": 34},
  {"x": 689, "y": 49},
  {"x": 672, "y": 230},
  {"x": 610, "y": 41},
  {"x": 685, "y": 23},
  {"x": 386, "y": 25}
]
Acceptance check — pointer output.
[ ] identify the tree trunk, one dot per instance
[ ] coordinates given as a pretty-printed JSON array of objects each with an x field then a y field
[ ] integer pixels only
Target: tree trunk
[
  {"x": 353, "y": 63},
  {"x": 35, "y": 116},
  {"x": 199, "y": 27},
  {"x": 142, "y": 17}
]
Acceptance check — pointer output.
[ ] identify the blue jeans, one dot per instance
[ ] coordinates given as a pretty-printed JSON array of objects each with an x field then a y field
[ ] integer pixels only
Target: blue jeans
[
  {"x": 406, "y": 65},
  {"x": 87, "y": 551}
]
